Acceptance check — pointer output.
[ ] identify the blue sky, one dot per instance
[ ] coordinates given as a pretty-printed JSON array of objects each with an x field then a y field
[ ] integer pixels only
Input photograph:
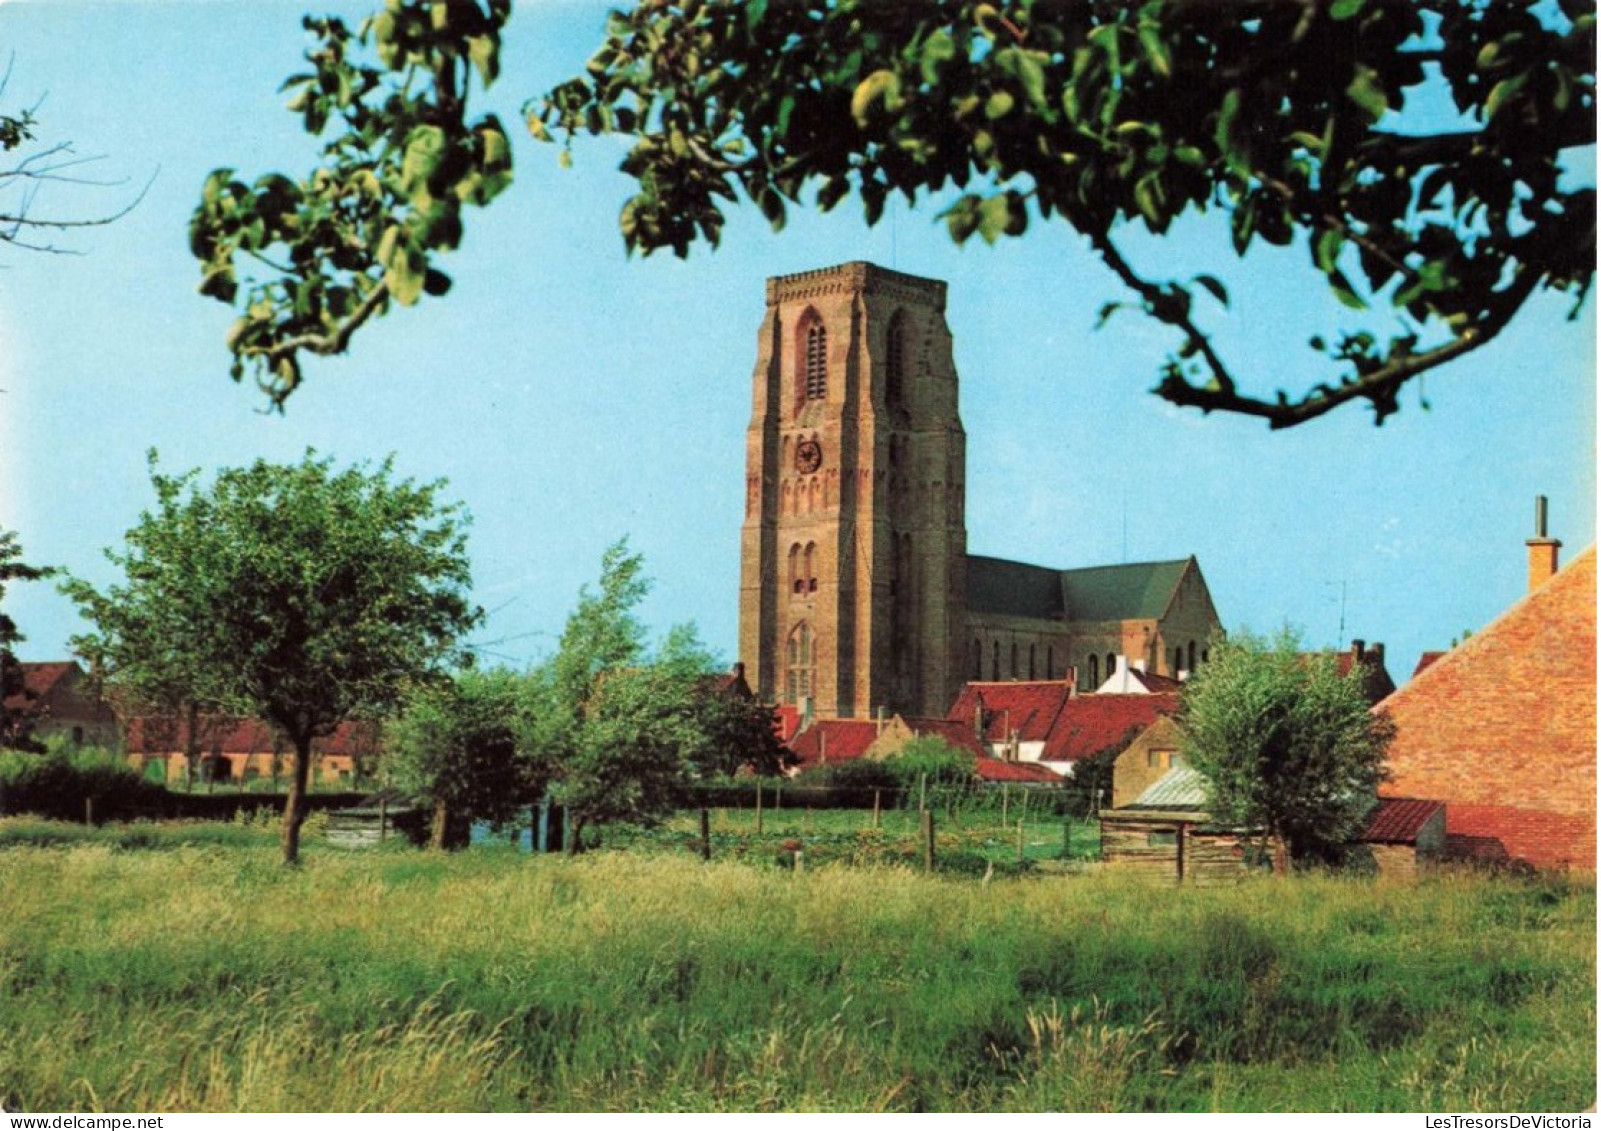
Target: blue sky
[{"x": 572, "y": 396}]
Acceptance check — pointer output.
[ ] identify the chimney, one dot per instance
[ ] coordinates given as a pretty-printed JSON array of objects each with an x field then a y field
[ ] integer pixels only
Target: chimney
[
  {"x": 1358, "y": 650},
  {"x": 1542, "y": 549},
  {"x": 1376, "y": 654},
  {"x": 739, "y": 669}
]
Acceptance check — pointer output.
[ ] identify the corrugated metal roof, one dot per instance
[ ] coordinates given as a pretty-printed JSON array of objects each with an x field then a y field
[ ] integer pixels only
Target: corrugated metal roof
[{"x": 1182, "y": 787}]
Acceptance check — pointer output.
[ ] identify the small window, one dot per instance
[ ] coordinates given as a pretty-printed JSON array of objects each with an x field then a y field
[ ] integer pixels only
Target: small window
[
  {"x": 1050, "y": 662},
  {"x": 995, "y": 663},
  {"x": 895, "y": 362},
  {"x": 1111, "y": 665},
  {"x": 1191, "y": 664},
  {"x": 1095, "y": 671}
]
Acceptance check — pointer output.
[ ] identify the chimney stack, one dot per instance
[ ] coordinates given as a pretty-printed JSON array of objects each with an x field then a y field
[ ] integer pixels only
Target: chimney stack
[
  {"x": 1542, "y": 549},
  {"x": 1358, "y": 649}
]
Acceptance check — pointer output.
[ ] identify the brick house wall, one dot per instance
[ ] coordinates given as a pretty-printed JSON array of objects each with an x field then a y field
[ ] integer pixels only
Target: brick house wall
[{"x": 1503, "y": 729}]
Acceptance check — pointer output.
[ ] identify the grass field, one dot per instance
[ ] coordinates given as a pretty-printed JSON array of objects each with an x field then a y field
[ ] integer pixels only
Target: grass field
[{"x": 200, "y": 975}]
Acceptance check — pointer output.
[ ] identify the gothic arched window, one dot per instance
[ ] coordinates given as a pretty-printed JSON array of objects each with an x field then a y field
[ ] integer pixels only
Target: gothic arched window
[
  {"x": 1050, "y": 662},
  {"x": 1111, "y": 665},
  {"x": 811, "y": 567},
  {"x": 978, "y": 660},
  {"x": 814, "y": 358},
  {"x": 995, "y": 662},
  {"x": 895, "y": 361},
  {"x": 1095, "y": 673},
  {"x": 796, "y": 583},
  {"x": 1192, "y": 656},
  {"x": 800, "y": 658}
]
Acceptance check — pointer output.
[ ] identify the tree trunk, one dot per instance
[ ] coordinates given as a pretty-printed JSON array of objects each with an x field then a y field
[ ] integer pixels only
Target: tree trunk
[
  {"x": 436, "y": 837},
  {"x": 295, "y": 807},
  {"x": 191, "y": 747}
]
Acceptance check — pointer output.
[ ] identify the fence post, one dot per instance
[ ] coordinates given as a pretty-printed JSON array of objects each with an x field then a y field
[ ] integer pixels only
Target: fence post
[
  {"x": 758, "y": 807},
  {"x": 705, "y": 833},
  {"x": 928, "y": 841},
  {"x": 88, "y": 810},
  {"x": 922, "y": 793},
  {"x": 1006, "y": 797},
  {"x": 1020, "y": 840},
  {"x": 875, "y": 807},
  {"x": 1067, "y": 838},
  {"x": 383, "y": 818}
]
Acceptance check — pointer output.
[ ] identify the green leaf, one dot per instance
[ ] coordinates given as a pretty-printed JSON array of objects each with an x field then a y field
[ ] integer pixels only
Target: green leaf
[
  {"x": 1211, "y": 283},
  {"x": 1501, "y": 93},
  {"x": 1327, "y": 251},
  {"x": 1345, "y": 9},
  {"x": 1156, "y": 49},
  {"x": 938, "y": 49},
  {"x": 1341, "y": 286},
  {"x": 1366, "y": 91},
  {"x": 999, "y": 105},
  {"x": 880, "y": 86},
  {"x": 484, "y": 52}
]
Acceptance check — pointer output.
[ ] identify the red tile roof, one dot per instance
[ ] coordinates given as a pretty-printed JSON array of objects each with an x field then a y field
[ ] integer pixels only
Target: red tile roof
[
  {"x": 1398, "y": 820},
  {"x": 786, "y": 720},
  {"x": 38, "y": 681},
  {"x": 833, "y": 740},
  {"x": 1424, "y": 661},
  {"x": 959, "y": 734},
  {"x": 1027, "y": 708},
  {"x": 1503, "y": 727},
  {"x": 993, "y": 769},
  {"x": 158, "y": 735},
  {"x": 1092, "y": 724}
]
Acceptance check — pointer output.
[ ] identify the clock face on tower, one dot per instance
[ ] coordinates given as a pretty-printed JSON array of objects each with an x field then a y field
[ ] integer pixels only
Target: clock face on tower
[{"x": 808, "y": 456}]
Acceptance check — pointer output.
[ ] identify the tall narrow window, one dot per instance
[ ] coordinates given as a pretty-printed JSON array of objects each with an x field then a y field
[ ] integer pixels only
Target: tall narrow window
[
  {"x": 1014, "y": 659},
  {"x": 1050, "y": 662},
  {"x": 978, "y": 660},
  {"x": 796, "y": 583},
  {"x": 895, "y": 361},
  {"x": 1031, "y": 661},
  {"x": 811, "y": 567},
  {"x": 816, "y": 362},
  {"x": 995, "y": 663},
  {"x": 1111, "y": 665},
  {"x": 800, "y": 659},
  {"x": 1192, "y": 656},
  {"x": 1095, "y": 673}
]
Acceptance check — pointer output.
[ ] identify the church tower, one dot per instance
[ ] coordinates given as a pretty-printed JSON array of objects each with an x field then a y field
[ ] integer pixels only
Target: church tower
[{"x": 853, "y": 552}]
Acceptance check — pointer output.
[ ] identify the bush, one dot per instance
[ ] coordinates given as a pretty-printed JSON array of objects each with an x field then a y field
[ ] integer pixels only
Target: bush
[{"x": 60, "y": 781}]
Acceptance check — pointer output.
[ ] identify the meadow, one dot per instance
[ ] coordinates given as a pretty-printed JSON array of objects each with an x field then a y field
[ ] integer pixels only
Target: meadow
[{"x": 185, "y": 970}]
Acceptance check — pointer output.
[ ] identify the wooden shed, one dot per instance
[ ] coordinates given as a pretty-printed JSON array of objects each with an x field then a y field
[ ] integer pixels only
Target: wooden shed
[
  {"x": 1167, "y": 833},
  {"x": 1404, "y": 834}
]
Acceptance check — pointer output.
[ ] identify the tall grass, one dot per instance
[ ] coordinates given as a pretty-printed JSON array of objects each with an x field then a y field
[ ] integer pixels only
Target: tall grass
[{"x": 209, "y": 978}]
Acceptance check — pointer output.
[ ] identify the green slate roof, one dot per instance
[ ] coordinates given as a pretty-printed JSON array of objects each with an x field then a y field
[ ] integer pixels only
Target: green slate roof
[{"x": 1139, "y": 591}]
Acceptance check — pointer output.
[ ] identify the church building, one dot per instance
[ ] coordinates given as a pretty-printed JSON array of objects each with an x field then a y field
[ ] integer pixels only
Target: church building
[{"x": 856, "y": 588}]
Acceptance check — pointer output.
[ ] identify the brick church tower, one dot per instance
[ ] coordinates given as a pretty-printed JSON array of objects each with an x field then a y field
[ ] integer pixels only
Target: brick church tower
[{"x": 854, "y": 545}]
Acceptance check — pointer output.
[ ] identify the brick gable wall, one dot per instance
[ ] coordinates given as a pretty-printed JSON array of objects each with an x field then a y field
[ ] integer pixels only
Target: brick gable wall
[{"x": 1503, "y": 729}]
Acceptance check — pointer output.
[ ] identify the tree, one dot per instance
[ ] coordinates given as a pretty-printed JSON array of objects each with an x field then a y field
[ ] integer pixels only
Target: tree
[
  {"x": 12, "y": 568},
  {"x": 1302, "y": 121},
  {"x": 1286, "y": 743},
  {"x": 300, "y": 595},
  {"x": 28, "y": 165},
  {"x": 626, "y": 730},
  {"x": 460, "y": 746}
]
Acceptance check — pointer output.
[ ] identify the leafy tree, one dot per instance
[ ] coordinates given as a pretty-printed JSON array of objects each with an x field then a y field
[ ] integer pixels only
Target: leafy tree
[
  {"x": 1286, "y": 743},
  {"x": 460, "y": 745},
  {"x": 1302, "y": 123},
  {"x": 301, "y": 595},
  {"x": 935, "y": 758},
  {"x": 12, "y": 568},
  {"x": 626, "y": 730}
]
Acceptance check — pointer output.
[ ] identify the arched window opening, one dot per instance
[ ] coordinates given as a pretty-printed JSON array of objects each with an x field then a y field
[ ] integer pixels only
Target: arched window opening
[
  {"x": 816, "y": 362},
  {"x": 1191, "y": 664},
  {"x": 995, "y": 662},
  {"x": 1014, "y": 659},
  {"x": 978, "y": 659},
  {"x": 1206, "y": 654},
  {"x": 1031, "y": 661},
  {"x": 811, "y": 567},
  {"x": 1095, "y": 672},
  {"x": 1111, "y": 665},
  {"x": 895, "y": 361},
  {"x": 796, "y": 583},
  {"x": 800, "y": 657},
  {"x": 1050, "y": 662},
  {"x": 1178, "y": 658}
]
